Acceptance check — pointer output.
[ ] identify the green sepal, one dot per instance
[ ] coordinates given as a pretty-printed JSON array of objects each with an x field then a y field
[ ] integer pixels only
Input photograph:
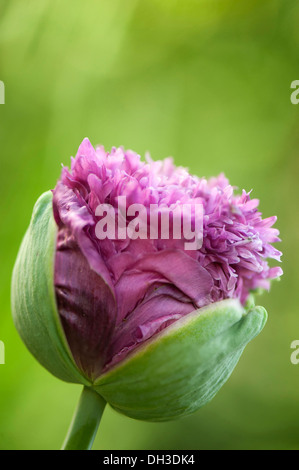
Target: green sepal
[
  {"x": 182, "y": 368},
  {"x": 33, "y": 298}
]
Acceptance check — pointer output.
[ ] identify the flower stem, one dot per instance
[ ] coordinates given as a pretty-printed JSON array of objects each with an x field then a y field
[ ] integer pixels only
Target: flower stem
[{"x": 85, "y": 422}]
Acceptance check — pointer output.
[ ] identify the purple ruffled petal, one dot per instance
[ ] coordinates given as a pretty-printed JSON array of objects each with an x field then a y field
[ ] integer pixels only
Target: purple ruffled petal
[
  {"x": 115, "y": 294},
  {"x": 163, "y": 306},
  {"x": 86, "y": 305}
]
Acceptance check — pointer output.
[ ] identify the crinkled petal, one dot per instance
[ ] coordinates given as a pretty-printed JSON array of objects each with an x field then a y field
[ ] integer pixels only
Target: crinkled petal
[{"x": 86, "y": 306}]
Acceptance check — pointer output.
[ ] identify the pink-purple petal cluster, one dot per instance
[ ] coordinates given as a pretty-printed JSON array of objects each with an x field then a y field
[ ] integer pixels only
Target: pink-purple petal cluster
[{"x": 113, "y": 295}]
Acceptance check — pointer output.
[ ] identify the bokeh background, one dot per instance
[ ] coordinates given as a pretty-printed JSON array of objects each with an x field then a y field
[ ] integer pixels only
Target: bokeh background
[{"x": 205, "y": 81}]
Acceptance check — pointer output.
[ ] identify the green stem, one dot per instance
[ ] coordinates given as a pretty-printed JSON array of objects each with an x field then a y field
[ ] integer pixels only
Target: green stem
[{"x": 85, "y": 422}]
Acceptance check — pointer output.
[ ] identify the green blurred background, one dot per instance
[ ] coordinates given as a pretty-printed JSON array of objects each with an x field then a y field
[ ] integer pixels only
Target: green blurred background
[{"x": 205, "y": 81}]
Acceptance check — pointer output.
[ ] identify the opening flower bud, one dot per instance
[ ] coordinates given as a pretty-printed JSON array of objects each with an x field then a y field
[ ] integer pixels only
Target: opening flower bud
[{"x": 106, "y": 292}]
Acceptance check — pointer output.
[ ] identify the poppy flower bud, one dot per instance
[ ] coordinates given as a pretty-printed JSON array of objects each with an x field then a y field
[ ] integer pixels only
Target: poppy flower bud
[{"x": 101, "y": 297}]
